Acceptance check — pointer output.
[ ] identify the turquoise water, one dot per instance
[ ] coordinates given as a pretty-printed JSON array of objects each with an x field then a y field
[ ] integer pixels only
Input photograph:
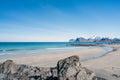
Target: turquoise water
[
  {"x": 16, "y": 46},
  {"x": 13, "y": 49}
]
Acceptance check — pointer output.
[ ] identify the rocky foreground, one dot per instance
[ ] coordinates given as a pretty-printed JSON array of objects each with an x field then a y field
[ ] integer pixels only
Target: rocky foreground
[{"x": 66, "y": 69}]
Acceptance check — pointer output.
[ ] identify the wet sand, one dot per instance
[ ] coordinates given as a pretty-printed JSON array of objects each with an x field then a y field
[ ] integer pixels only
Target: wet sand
[
  {"x": 107, "y": 66},
  {"x": 49, "y": 60}
]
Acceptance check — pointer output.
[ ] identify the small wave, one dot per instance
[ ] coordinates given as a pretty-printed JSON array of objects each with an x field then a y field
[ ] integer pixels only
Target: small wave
[
  {"x": 55, "y": 48},
  {"x": 2, "y": 50},
  {"x": 6, "y": 50},
  {"x": 2, "y": 53},
  {"x": 13, "y": 50},
  {"x": 66, "y": 48}
]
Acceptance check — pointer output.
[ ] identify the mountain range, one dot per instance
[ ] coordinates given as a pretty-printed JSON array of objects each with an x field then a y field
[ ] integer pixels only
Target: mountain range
[{"x": 95, "y": 39}]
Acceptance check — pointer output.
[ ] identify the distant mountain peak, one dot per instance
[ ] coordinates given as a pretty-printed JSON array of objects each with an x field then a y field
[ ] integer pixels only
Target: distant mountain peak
[{"x": 95, "y": 39}]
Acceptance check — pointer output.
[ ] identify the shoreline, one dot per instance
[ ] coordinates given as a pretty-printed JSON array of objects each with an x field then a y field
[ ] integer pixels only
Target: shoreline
[
  {"x": 98, "y": 55},
  {"x": 48, "y": 60},
  {"x": 108, "y": 66},
  {"x": 51, "y": 59},
  {"x": 23, "y": 53}
]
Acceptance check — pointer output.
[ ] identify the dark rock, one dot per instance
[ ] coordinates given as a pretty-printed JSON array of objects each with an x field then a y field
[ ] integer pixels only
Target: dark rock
[
  {"x": 54, "y": 72},
  {"x": 67, "y": 69},
  {"x": 8, "y": 67},
  {"x": 99, "y": 78},
  {"x": 71, "y": 69}
]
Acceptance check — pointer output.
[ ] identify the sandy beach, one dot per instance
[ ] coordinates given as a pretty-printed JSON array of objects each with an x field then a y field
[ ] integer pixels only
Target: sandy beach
[
  {"x": 107, "y": 67},
  {"x": 50, "y": 60}
]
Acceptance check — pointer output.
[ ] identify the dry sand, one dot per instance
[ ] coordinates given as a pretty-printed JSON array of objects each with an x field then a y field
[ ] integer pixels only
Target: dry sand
[{"x": 107, "y": 66}]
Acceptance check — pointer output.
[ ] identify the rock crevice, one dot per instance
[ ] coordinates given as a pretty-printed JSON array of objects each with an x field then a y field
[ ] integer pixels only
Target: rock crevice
[{"x": 67, "y": 69}]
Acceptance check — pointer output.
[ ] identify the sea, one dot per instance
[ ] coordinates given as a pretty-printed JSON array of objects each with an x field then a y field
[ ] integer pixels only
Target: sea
[
  {"x": 19, "y": 49},
  {"x": 13, "y": 49}
]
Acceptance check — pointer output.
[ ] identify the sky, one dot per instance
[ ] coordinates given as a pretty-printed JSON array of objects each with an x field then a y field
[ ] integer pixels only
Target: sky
[{"x": 58, "y": 20}]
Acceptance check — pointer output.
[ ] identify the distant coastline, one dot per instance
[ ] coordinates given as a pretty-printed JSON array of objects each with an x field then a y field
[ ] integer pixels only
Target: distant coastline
[{"x": 95, "y": 40}]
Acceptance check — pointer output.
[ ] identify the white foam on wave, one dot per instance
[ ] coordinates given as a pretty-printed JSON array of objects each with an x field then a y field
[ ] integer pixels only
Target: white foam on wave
[
  {"x": 5, "y": 53},
  {"x": 67, "y": 48},
  {"x": 2, "y": 53}
]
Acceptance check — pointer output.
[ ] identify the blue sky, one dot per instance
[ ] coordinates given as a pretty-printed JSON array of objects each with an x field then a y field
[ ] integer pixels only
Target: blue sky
[{"x": 58, "y": 20}]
